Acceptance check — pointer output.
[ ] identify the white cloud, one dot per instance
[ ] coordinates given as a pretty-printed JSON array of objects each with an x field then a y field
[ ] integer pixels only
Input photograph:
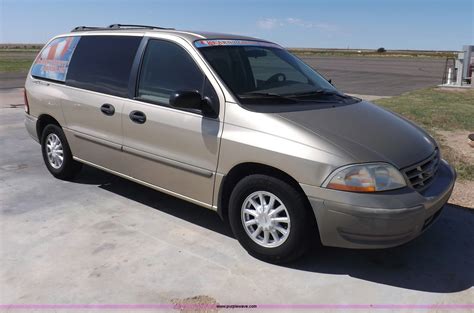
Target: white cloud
[
  {"x": 268, "y": 23},
  {"x": 298, "y": 22},
  {"x": 272, "y": 23}
]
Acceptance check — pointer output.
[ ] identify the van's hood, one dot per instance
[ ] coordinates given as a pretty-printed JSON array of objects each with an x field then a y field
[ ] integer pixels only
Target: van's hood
[{"x": 367, "y": 133}]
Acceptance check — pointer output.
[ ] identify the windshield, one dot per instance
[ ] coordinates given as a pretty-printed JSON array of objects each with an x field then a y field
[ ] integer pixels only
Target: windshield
[{"x": 259, "y": 70}]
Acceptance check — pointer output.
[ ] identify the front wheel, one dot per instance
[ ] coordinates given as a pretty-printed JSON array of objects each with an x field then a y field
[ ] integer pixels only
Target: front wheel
[
  {"x": 270, "y": 219},
  {"x": 56, "y": 153}
]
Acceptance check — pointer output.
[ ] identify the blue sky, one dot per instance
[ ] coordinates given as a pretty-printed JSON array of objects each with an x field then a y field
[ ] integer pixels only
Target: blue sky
[{"x": 393, "y": 24}]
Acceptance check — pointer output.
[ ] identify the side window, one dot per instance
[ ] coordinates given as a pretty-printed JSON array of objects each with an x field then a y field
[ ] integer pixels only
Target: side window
[
  {"x": 53, "y": 61},
  {"x": 103, "y": 64},
  {"x": 232, "y": 67},
  {"x": 166, "y": 68}
]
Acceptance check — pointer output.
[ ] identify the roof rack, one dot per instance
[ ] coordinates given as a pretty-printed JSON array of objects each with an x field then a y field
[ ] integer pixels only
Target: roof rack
[
  {"x": 82, "y": 28},
  {"x": 115, "y": 27}
]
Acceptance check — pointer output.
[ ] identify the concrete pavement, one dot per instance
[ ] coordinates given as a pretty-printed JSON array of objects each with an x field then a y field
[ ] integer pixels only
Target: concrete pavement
[
  {"x": 11, "y": 98},
  {"x": 103, "y": 240}
]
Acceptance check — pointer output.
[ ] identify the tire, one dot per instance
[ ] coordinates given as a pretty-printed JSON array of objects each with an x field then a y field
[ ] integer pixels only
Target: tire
[
  {"x": 299, "y": 230},
  {"x": 53, "y": 136}
]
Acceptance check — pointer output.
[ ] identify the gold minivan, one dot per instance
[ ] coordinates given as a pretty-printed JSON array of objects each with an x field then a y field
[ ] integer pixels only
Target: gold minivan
[{"x": 240, "y": 126}]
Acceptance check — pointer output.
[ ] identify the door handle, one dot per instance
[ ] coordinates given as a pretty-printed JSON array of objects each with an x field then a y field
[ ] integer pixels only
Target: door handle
[
  {"x": 107, "y": 109},
  {"x": 138, "y": 117}
]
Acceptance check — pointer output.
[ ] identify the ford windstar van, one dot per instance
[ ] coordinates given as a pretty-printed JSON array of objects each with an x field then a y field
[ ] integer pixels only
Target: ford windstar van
[{"x": 240, "y": 126}]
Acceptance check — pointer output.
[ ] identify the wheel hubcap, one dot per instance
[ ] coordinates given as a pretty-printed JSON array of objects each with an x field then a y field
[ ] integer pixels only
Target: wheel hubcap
[
  {"x": 54, "y": 151},
  {"x": 265, "y": 219}
]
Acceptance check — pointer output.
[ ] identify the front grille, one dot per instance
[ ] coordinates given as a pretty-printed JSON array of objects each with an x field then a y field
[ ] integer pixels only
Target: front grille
[{"x": 420, "y": 175}]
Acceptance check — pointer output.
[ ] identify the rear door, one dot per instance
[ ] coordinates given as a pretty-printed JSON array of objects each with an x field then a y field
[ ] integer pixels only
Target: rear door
[
  {"x": 170, "y": 148},
  {"x": 96, "y": 86}
]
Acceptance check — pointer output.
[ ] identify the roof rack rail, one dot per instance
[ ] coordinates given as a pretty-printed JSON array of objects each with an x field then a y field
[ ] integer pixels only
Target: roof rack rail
[
  {"x": 116, "y": 26},
  {"x": 136, "y": 26},
  {"x": 82, "y": 28}
]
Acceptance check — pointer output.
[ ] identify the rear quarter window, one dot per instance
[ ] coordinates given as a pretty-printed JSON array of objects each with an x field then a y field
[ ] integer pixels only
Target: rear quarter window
[
  {"x": 103, "y": 64},
  {"x": 53, "y": 61}
]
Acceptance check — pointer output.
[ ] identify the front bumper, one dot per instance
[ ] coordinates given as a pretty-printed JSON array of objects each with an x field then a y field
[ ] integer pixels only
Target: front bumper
[{"x": 379, "y": 220}]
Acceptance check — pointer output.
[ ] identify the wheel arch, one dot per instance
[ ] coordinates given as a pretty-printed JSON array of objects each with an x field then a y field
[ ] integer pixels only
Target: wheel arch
[
  {"x": 245, "y": 169},
  {"x": 43, "y": 121}
]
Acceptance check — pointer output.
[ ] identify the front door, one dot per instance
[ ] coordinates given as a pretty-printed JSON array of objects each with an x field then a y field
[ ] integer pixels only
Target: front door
[{"x": 173, "y": 149}]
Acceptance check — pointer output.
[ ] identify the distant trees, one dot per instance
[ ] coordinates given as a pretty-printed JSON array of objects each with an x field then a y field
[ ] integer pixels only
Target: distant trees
[{"x": 381, "y": 50}]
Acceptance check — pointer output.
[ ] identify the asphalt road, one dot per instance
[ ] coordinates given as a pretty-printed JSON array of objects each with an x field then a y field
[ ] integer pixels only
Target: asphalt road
[
  {"x": 102, "y": 239},
  {"x": 380, "y": 76},
  {"x": 12, "y": 80}
]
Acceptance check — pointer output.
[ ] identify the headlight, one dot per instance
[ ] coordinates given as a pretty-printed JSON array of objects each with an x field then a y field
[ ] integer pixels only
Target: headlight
[{"x": 369, "y": 177}]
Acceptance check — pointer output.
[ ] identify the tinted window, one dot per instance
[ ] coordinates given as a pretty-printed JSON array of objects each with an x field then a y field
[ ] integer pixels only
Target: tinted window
[
  {"x": 232, "y": 67},
  {"x": 167, "y": 68},
  {"x": 103, "y": 64}
]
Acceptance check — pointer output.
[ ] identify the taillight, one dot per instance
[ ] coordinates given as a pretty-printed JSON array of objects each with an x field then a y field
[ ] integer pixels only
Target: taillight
[{"x": 27, "y": 106}]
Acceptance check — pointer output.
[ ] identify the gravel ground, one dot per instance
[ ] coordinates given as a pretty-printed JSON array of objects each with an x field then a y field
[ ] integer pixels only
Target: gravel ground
[
  {"x": 463, "y": 193},
  {"x": 458, "y": 141}
]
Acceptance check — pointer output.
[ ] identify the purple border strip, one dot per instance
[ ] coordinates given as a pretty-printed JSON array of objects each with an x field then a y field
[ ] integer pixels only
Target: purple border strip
[{"x": 229, "y": 306}]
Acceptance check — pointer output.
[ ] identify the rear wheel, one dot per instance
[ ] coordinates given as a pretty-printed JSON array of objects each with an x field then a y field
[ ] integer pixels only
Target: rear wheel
[
  {"x": 270, "y": 219},
  {"x": 56, "y": 153}
]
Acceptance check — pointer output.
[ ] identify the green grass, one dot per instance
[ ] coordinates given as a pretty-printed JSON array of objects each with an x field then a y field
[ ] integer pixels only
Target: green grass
[
  {"x": 16, "y": 60},
  {"x": 18, "y": 65},
  {"x": 439, "y": 109},
  {"x": 308, "y": 52},
  {"x": 436, "y": 108}
]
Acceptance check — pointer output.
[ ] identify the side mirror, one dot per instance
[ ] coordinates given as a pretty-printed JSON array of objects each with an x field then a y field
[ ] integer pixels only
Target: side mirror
[
  {"x": 187, "y": 100},
  {"x": 192, "y": 101}
]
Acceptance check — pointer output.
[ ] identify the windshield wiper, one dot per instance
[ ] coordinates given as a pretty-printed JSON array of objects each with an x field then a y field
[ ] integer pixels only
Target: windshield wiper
[
  {"x": 323, "y": 92},
  {"x": 252, "y": 95}
]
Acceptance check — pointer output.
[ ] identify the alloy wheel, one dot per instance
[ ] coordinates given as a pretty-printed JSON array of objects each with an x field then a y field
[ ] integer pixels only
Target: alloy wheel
[{"x": 265, "y": 219}]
